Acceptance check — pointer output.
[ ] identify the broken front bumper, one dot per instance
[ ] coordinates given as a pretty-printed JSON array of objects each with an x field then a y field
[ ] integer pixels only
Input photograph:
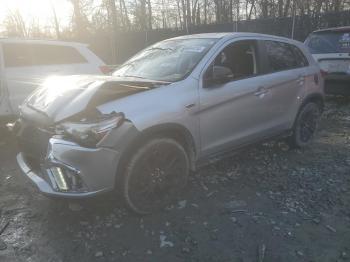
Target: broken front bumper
[{"x": 72, "y": 171}]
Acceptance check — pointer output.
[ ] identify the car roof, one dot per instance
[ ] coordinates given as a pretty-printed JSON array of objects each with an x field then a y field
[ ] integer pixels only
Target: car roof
[
  {"x": 229, "y": 35},
  {"x": 40, "y": 41},
  {"x": 333, "y": 29}
]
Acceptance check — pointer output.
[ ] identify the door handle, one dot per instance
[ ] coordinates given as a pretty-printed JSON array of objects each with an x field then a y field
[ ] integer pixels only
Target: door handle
[
  {"x": 190, "y": 105},
  {"x": 301, "y": 79},
  {"x": 261, "y": 91}
]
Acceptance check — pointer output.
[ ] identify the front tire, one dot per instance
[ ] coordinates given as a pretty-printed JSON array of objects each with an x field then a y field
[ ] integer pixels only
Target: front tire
[
  {"x": 305, "y": 126},
  {"x": 155, "y": 175}
]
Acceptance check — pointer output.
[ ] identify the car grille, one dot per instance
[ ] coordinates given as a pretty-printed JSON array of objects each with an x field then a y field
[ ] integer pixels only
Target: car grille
[{"x": 33, "y": 140}]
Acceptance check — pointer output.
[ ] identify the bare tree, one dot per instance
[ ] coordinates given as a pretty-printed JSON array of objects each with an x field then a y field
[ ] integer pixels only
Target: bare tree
[
  {"x": 15, "y": 25},
  {"x": 188, "y": 13},
  {"x": 56, "y": 24},
  {"x": 149, "y": 14},
  {"x": 79, "y": 20},
  {"x": 112, "y": 16}
]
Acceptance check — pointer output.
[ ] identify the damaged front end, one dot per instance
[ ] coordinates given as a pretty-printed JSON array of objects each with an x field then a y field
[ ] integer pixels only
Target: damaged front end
[
  {"x": 65, "y": 143},
  {"x": 71, "y": 170},
  {"x": 66, "y": 159},
  {"x": 89, "y": 132}
]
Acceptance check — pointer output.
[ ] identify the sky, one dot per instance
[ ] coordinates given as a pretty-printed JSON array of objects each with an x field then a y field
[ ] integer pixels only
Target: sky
[{"x": 40, "y": 10}]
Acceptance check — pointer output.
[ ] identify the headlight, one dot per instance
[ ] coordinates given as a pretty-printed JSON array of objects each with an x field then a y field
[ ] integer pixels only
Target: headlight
[{"x": 88, "y": 132}]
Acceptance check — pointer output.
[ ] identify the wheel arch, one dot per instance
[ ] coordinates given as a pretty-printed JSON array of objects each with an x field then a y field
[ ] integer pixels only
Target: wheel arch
[
  {"x": 315, "y": 98},
  {"x": 318, "y": 99},
  {"x": 170, "y": 130}
]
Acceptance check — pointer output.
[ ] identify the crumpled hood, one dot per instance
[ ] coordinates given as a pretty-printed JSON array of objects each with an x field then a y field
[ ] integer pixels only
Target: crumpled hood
[{"x": 62, "y": 97}]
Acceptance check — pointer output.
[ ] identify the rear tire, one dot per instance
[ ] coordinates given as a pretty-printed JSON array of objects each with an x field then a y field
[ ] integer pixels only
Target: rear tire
[
  {"x": 155, "y": 175},
  {"x": 305, "y": 126}
]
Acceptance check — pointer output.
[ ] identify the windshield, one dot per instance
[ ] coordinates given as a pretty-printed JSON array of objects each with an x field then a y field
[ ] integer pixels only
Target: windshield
[
  {"x": 329, "y": 42},
  {"x": 170, "y": 60}
]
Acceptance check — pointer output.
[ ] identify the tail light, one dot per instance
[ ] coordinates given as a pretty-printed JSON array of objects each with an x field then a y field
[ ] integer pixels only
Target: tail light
[
  {"x": 323, "y": 73},
  {"x": 316, "y": 80},
  {"x": 105, "y": 69}
]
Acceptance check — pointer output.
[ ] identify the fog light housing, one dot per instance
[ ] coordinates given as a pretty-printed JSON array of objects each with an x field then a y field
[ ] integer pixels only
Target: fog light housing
[
  {"x": 64, "y": 179},
  {"x": 59, "y": 177}
]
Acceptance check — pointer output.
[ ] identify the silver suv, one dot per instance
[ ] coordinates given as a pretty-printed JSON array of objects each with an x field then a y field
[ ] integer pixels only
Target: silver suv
[{"x": 171, "y": 106}]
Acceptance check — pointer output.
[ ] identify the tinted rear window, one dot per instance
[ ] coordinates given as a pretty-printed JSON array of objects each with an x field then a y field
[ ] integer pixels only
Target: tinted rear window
[
  {"x": 283, "y": 56},
  {"x": 16, "y": 55},
  {"x": 329, "y": 42}
]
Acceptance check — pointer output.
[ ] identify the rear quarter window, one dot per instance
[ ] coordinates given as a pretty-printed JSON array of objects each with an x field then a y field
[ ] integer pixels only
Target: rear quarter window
[
  {"x": 282, "y": 56},
  {"x": 18, "y": 55}
]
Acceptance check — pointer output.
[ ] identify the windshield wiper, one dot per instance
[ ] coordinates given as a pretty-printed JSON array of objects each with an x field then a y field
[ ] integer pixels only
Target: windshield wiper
[
  {"x": 149, "y": 80},
  {"x": 126, "y": 64},
  {"x": 159, "y": 48},
  {"x": 132, "y": 76}
]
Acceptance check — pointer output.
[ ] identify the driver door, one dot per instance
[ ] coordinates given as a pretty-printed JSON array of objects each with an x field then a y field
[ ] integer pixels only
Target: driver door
[{"x": 235, "y": 111}]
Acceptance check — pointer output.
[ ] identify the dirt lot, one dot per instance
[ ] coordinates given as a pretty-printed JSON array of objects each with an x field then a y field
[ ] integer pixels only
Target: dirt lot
[{"x": 267, "y": 203}]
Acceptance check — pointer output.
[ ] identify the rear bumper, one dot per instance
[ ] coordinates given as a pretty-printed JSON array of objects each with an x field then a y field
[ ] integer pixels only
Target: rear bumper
[
  {"x": 337, "y": 84},
  {"x": 95, "y": 169}
]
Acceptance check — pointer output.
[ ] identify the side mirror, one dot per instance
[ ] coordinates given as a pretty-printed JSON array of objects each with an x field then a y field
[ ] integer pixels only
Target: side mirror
[
  {"x": 218, "y": 75},
  {"x": 222, "y": 74}
]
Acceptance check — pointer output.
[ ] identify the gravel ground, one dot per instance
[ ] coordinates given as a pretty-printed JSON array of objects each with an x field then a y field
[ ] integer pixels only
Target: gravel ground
[{"x": 266, "y": 203}]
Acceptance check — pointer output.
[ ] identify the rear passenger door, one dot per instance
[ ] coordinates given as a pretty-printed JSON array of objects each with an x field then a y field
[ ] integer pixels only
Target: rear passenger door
[
  {"x": 27, "y": 65},
  {"x": 286, "y": 68},
  {"x": 64, "y": 59},
  {"x": 50, "y": 59}
]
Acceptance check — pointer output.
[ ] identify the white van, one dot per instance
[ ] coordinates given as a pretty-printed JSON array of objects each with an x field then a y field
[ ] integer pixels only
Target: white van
[
  {"x": 331, "y": 49},
  {"x": 24, "y": 64}
]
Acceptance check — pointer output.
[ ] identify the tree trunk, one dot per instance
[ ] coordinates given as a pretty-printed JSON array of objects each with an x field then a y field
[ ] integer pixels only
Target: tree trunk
[
  {"x": 142, "y": 18},
  {"x": 194, "y": 11},
  {"x": 237, "y": 12},
  {"x": 114, "y": 25},
  {"x": 318, "y": 8},
  {"x": 280, "y": 8},
  {"x": 188, "y": 17},
  {"x": 122, "y": 20},
  {"x": 205, "y": 11},
  {"x": 218, "y": 10},
  {"x": 286, "y": 8},
  {"x": 264, "y": 8},
  {"x": 149, "y": 15},
  {"x": 179, "y": 13},
  {"x": 78, "y": 19},
  {"x": 57, "y": 26},
  {"x": 308, "y": 9},
  {"x": 164, "y": 24},
  {"x": 126, "y": 16},
  {"x": 251, "y": 10},
  {"x": 337, "y": 4},
  {"x": 198, "y": 17},
  {"x": 184, "y": 15}
]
